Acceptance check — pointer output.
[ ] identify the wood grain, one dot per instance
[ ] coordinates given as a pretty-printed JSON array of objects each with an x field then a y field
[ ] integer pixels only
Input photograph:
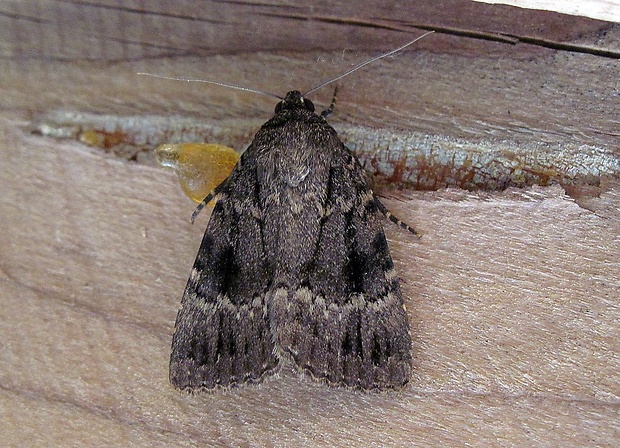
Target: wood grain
[{"x": 513, "y": 295}]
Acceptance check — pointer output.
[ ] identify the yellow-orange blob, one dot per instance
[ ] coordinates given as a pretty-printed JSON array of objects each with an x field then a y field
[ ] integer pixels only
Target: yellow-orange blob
[
  {"x": 92, "y": 138},
  {"x": 200, "y": 167},
  {"x": 102, "y": 139}
]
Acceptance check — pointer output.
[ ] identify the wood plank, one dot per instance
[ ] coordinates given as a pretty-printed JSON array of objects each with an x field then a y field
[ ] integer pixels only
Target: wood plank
[{"x": 512, "y": 294}]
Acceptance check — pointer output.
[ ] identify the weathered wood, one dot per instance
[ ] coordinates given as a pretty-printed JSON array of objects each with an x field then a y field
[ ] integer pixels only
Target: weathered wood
[{"x": 513, "y": 296}]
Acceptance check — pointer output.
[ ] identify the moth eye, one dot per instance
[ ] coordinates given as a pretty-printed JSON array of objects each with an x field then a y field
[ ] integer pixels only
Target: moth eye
[
  {"x": 200, "y": 167},
  {"x": 278, "y": 107},
  {"x": 309, "y": 105}
]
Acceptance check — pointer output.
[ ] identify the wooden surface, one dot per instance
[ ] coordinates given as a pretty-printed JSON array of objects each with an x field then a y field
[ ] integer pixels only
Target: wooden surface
[{"x": 513, "y": 295}]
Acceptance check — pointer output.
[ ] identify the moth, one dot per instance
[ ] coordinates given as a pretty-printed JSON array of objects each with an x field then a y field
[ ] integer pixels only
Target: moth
[{"x": 294, "y": 267}]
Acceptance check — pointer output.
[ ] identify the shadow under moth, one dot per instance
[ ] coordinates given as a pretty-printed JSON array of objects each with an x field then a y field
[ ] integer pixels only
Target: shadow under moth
[{"x": 294, "y": 267}]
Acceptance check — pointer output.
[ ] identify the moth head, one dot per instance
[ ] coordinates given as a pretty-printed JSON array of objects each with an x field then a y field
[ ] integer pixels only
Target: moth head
[{"x": 294, "y": 100}]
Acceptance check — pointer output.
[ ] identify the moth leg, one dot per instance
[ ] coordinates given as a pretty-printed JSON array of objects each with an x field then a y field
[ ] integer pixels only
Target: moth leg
[
  {"x": 383, "y": 209},
  {"x": 331, "y": 107},
  {"x": 208, "y": 199}
]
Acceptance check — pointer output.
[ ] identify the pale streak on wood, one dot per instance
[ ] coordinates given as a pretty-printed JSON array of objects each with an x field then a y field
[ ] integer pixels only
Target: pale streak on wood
[
  {"x": 597, "y": 9},
  {"x": 407, "y": 159}
]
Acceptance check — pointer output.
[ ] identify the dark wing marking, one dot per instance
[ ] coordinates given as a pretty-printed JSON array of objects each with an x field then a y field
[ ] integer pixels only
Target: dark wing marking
[
  {"x": 345, "y": 323},
  {"x": 222, "y": 332}
]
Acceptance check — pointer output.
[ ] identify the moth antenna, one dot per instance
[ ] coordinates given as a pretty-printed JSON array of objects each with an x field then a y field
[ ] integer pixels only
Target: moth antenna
[
  {"x": 217, "y": 83},
  {"x": 363, "y": 64},
  {"x": 273, "y": 95}
]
